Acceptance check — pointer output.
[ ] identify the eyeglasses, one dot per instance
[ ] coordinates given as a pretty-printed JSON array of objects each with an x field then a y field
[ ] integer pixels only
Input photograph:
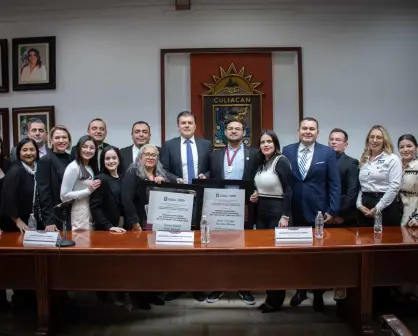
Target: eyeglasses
[{"x": 150, "y": 156}]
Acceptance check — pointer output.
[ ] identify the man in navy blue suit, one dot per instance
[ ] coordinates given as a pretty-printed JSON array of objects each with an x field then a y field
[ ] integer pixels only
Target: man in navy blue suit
[{"x": 316, "y": 186}]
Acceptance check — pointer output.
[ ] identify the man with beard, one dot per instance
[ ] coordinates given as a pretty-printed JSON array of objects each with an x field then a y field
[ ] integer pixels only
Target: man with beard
[
  {"x": 141, "y": 135},
  {"x": 36, "y": 131},
  {"x": 234, "y": 162},
  {"x": 97, "y": 130}
]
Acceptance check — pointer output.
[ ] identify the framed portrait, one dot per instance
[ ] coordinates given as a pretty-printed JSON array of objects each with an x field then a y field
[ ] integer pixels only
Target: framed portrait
[
  {"x": 23, "y": 115},
  {"x": 4, "y": 66},
  {"x": 34, "y": 63},
  {"x": 5, "y": 130}
]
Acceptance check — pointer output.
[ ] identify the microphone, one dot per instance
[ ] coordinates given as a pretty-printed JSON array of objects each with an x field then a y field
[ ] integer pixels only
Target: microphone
[{"x": 64, "y": 242}]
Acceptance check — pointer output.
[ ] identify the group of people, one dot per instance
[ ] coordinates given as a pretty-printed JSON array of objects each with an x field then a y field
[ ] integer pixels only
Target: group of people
[{"x": 105, "y": 189}]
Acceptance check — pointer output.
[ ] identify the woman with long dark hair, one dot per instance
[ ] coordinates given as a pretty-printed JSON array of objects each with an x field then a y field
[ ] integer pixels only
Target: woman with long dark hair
[
  {"x": 407, "y": 146},
  {"x": 51, "y": 168},
  {"x": 4, "y": 167},
  {"x": 79, "y": 182},
  {"x": 34, "y": 70},
  {"x": 106, "y": 205},
  {"x": 274, "y": 197}
]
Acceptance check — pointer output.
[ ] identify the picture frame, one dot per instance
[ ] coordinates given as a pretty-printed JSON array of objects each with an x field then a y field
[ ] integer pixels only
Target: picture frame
[
  {"x": 22, "y": 115},
  {"x": 33, "y": 63},
  {"x": 4, "y": 66},
  {"x": 5, "y": 130}
]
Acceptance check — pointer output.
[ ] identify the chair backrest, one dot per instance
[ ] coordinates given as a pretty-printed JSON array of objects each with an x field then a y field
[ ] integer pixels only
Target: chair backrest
[{"x": 391, "y": 324}]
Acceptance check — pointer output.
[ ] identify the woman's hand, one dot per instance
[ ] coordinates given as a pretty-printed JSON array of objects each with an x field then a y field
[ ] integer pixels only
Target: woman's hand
[
  {"x": 136, "y": 227},
  {"x": 159, "y": 179},
  {"x": 51, "y": 228},
  {"x": 371, "y": 213},
  {"x": 94, "y": 185},
  {"x": 117, "y": 229},
  {"x": 413, "y": 222},
  {"x": 21, "y": 225},
  {"x": 254, "y": 197},
  {"x": 363, "y": 210},
  {"x": 284, "y": 222},
  {"x": 180, "y": 181}
]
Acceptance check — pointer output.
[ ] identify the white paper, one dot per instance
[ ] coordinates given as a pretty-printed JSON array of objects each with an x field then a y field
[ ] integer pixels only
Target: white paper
[
  {"x": 224, "y": 208},
  {"x": 293, "y": 234},
  {"x": 165, "y": 237},
  {"x": 170, "y": 211},
  {"x": 40, "y": 238}
]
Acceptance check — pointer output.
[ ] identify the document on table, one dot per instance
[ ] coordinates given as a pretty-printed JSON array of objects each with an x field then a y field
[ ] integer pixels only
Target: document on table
[
  {"x": 170, "y": 211},
  {"x": 224, "y": 208}
]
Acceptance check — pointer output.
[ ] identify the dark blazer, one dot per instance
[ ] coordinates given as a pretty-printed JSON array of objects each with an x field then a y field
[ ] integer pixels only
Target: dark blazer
[
  {"x": 321, "y": 188},
  {"x": 49, "y": 178},
  {"x": 251, "y": 162},
  {"x": 171, "y": 157},
  {"x": 13, "y": 154},
  {"x": 105, "y": 205},
  {"x": 74, "y": 149},
  {"x": 350, "y": 186},
  {"x": 6, "y": 166},
  {"x": 17, "y": 196},
  {"x": 127, "y": 158}
]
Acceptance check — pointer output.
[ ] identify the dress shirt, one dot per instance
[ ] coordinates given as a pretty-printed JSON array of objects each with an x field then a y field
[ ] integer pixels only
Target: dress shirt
[
  {"x": 382, "y": 175},
  {"x": 37, "y": 75},
  {"x": 135, "y": 152},
  {"x": 309, "y": 155},
  {"x": 42, "y": 151},
  {"x": 183, "y": 150},
  {"x": 237, "y": 165}
]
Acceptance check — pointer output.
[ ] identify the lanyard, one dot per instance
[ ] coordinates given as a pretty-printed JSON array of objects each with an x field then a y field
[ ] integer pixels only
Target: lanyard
[{"x": 230, "y": 161}]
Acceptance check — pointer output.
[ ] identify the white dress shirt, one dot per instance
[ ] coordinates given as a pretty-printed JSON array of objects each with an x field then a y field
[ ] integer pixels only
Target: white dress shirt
[
  {"x": 135, "y": 153},
  {"x": 42, "y": 151},
  {"x": 382, "y": 175},
  {"x": 183, "y": 149},
  {"x": 309, "y": 154}
]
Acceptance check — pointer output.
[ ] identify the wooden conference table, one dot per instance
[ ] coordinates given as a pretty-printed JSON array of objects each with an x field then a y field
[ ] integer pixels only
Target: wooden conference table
[{"x": 231, "y": 261}]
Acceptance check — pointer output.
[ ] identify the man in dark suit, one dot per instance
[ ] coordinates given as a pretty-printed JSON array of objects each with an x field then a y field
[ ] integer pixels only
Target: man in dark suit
[
  {"x": 97, "y": 130},
  {"x": 316, "y": 186},
  {"x": 141, "y": 135},
  {"x": 187, "y": 157},
  {"x": 234, "y": 162},
  {"x": 349, "y": 171},
  {"x": 38, "y": 132}
]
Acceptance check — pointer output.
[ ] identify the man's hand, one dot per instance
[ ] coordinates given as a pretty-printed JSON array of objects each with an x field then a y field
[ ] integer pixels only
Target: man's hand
[
  {"x": 284, "y": 222},
  {"x": 202, "y": 176},
  {"x": 136, "y": 227},
  {"x": 51, "y": 228},
  {"x": 338, "y": 220},
  {"x": 328, "y": 219}
]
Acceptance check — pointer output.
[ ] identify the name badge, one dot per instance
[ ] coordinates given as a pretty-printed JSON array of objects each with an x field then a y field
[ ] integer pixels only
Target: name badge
[
  {"x": 380, "y": 161},
  {"x": 175, "y": 237},
  {"x": 293, "y": 234},
  {"x": 40, "y": 239}
]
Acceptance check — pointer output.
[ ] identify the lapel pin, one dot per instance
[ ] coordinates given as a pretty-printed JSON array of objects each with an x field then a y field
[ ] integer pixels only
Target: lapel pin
[{"x": 247, "y": 158}]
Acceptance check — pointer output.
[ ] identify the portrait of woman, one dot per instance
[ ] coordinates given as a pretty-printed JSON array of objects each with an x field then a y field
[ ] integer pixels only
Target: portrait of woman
[{"x": 33, "y": 69}]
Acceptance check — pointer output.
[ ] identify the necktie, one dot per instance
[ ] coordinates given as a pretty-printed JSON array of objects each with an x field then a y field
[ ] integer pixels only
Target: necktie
[
  {"x": 190, "y": 164},
  {"x": 302, "y": 163}
]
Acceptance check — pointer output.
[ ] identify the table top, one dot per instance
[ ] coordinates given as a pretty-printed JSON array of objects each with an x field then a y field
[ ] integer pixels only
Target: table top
[{"x": 248, "y": 241}]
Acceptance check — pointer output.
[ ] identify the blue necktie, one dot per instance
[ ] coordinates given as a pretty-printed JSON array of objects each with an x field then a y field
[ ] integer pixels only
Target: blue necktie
[
  {"x": 302, "y": 163},
  {"x": 190, "y": 164}
]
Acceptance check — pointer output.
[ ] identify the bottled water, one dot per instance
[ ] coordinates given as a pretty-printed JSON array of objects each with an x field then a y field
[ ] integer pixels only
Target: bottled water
[
  {"x": 378, "y": 226},
  {"x": 32, "y": 223},
  {"x": 204, "y": 230},
  {"x": 319, "y": 225}
]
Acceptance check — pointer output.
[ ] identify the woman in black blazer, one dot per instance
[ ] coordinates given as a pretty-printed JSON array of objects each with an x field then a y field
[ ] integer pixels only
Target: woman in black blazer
[
  {"x": 51, "y": 168},
  {"x": 105, "y": 202},
  {"x": 4, "y": 167},
  {"x": 20, "y": 198}
]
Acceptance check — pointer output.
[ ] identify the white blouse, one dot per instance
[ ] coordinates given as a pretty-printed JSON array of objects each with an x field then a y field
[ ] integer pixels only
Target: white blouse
[{"x": 409, "y": 191}]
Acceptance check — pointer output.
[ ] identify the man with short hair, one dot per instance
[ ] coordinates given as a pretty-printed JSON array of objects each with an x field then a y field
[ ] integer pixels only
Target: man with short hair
[
  {"x": 316, "y": 187},
  {"x": 234, "y": 162},
  {"x": 349, "y": 172},
  {"x": 37, "y": 132},
  {"x": 97, "y": 130},
  {"x": 141, "y": 135}
]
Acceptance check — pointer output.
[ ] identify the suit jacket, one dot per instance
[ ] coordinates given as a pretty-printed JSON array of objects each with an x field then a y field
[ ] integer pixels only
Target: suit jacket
[
  {"x": 49, "y": 178},
  {"x": 13, "y": 154},
  {"x": 321, "y": 188},
  {"x": 74, "y": 149},
  {"x": 251, "y": 162},
  {"x": 171, "y": 157},
  {"x": 127, "y": 158},
  {"x": 105, "y": 206},
  {"x": 350, "y": 186}
]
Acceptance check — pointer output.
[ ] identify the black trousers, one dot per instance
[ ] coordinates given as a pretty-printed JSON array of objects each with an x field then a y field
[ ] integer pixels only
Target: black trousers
[
  {"x": 391, "y": 215},
  {"x": 269, "y": 213}
]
